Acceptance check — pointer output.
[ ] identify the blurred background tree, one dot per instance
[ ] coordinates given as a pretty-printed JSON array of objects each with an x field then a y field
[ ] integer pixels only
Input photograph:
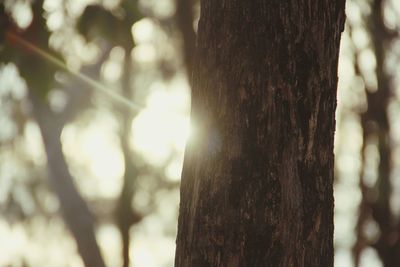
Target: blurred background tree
[
  {"x": 367, "y": 144},
  {"x": 113, "y": 172}
]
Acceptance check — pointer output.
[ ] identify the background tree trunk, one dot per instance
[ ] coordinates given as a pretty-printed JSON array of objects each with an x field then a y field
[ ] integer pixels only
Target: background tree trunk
[
  {"x": 258, "y": 176},
  {"x": 40, "y": 81},
  {"x": 73, "y": 207},
  {"x": 375, "y": 205}
]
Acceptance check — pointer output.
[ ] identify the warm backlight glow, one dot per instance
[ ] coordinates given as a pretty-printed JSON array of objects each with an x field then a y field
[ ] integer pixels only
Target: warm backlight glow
[{"x": 163, "y": 127}]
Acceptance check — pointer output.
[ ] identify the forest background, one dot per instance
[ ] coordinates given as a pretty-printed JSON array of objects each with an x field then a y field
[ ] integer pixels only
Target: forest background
[{"x": 94, "y": 116}]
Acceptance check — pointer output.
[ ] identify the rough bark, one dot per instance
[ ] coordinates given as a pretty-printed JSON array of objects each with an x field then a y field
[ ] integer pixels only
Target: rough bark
[{"x": 257, "y": 181}]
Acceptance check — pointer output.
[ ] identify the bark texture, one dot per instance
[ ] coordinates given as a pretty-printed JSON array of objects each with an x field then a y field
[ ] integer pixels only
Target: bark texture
[{"x": 257, "y": 181}]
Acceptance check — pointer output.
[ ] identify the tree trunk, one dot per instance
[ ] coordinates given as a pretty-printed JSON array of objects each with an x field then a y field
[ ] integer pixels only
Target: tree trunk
[
  {"x": 74, "y": 209},
  {"x": 257, "y": 181},
  {"x": 126, "y": 216}
]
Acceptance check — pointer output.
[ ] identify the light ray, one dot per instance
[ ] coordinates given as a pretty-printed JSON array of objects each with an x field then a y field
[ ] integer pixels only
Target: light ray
[{"x": 59, "y": 63}]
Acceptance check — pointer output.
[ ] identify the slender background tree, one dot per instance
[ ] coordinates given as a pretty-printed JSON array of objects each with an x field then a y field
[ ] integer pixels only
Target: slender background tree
[{"x": 378, "y": 222}]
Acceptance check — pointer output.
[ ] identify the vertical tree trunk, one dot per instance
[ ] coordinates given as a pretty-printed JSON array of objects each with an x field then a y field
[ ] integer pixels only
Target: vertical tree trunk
[
  {"x": 126, "y": 216},
  {"x": 258, "y": 176}
]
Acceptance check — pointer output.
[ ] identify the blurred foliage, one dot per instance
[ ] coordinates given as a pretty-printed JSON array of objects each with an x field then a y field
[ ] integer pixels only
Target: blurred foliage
[
  {"x": 112, "y": 25},
  {"x": 49, "y": 113},
  {"x": 39, "y": 76},
  {"x": 367, "y": 141}
]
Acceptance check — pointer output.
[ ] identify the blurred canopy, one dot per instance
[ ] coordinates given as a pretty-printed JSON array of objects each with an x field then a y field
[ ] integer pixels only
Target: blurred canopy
[
  {"x": 108, "y": 168},
  {"x": 367, "y": 222}
]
